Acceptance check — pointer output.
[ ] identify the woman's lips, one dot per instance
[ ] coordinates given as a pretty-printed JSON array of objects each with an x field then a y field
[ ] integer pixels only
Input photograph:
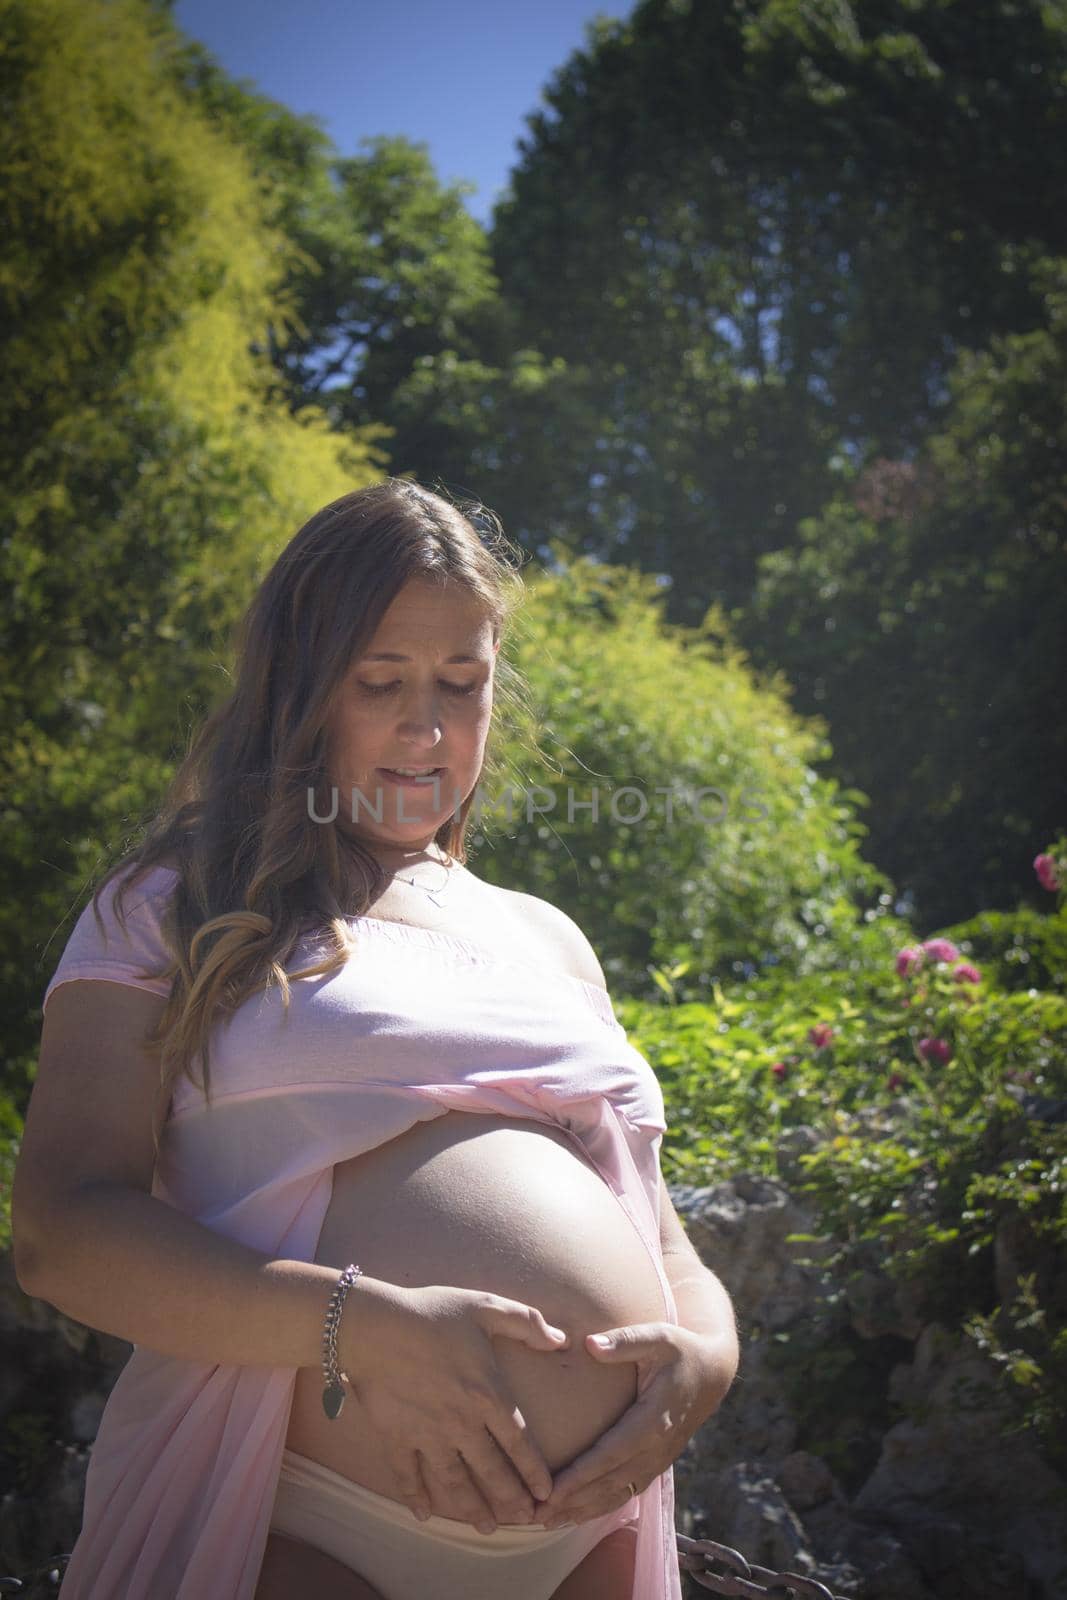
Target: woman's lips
[{"x": 423, "y": 782}]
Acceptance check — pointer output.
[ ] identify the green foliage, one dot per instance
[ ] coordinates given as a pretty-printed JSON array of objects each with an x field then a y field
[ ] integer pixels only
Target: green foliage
[
  {"x": 900, "y": 606},
  {"x": 707, "y": 337},
  {"x": 11, "y": 1128},
  {"x": 395, "y": 320},
  {"x": 381, "y": 222},
  {"x": 837, "y": 1391},
  {"x": 149, "y": 477},
  {"x": 122, "y": 210},
  {"x": 1018, "y": 949},
  {"x": 805, "y": 280},
  {"x": 763, "y": 867},
  {"x": 917, "y": 1166},
  {"x": 761, "y": 231}
]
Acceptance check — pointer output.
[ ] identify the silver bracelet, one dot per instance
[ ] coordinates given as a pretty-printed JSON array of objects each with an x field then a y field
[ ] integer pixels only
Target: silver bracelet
[{"x": 333, "y": 1395}]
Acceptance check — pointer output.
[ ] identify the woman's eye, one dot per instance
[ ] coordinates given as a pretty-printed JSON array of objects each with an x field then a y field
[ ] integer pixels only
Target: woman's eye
[{"x": 387, "y": 688}]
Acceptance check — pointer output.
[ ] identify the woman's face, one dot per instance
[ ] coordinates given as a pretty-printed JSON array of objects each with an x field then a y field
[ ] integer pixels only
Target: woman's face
[{"x": 429, "y": 705}]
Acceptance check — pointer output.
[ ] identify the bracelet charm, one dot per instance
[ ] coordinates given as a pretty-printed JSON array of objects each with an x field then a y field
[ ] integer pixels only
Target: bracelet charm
[{"x": 333, "y": 1394}]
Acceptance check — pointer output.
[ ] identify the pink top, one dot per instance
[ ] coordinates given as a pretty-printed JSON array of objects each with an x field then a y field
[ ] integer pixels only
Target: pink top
[{"x": 184, "y": 1469}]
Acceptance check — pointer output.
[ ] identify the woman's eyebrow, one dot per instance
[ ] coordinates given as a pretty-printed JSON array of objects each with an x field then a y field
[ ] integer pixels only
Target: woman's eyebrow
[{"x": 391, "y": 655}]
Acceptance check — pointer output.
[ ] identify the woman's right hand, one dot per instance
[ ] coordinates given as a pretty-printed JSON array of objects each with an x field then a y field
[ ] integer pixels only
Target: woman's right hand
[{"x": 422, "y": 1364}]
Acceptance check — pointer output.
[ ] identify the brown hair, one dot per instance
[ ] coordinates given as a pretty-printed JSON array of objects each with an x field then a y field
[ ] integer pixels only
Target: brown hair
[{"x": 255, "y": 871}]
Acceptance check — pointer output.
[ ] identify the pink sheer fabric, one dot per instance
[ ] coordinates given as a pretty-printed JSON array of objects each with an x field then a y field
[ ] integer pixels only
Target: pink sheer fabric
[{"x": 184, "y": 1469}]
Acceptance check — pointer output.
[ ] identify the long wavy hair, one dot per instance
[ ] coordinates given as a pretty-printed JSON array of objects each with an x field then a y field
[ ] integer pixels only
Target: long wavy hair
[{"x": 256, "y": 872}]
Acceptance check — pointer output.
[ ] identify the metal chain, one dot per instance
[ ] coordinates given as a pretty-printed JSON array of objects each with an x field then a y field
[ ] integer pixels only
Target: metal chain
[
  {"x": 42, "y": 1580},
  {"x": 698, "y": 1557},
  {"x": 701, "y": 1557}
]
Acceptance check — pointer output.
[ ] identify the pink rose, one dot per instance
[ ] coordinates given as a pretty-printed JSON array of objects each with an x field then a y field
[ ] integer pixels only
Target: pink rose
[
  {"x": 965, "y": 973},
  {"x": 1045, "y": 867},
  {"x": 936, "y": 1050},
  {"x": 820, "y": 1035},
  {"x": 779, "y": 1069},
  {"x": 941, "y": 949},
  {"x": 908, "y": 959}
]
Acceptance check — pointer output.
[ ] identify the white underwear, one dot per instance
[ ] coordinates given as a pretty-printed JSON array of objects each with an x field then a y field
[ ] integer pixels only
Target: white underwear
[{"x": 404, "y": 1559}]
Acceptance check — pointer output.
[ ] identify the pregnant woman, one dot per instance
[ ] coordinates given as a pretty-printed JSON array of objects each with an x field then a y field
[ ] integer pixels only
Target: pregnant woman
[{"x": 349, "y": 1144}]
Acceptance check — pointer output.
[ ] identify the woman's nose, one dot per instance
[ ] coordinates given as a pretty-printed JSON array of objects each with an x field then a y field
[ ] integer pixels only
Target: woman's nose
[{"x": 420, "y": 716}]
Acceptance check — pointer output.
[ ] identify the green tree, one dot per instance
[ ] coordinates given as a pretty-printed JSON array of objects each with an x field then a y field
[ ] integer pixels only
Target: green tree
[
  {"x": 656, "y": 757},
  {"x": 757, "y": 234},
  {"x": 926, "y": 603},
  {"x": 147, "y": 475}
]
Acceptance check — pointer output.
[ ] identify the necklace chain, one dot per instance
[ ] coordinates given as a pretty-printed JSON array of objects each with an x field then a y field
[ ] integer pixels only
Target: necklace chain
[{"x": 436, "y": 895}]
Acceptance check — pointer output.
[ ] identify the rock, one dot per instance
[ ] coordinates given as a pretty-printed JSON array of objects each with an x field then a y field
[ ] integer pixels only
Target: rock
[
  {"x": 35, "y": 1528},
  {"x": 792, "y": 1144},
  {"x": 85, "y": 1415},
  {"x": 952, "y": 1476},
  {"x": 961, "y": 1563},
  {"x": 855, "y": 1558},
  {"x": 57, "y": 1374},
  {"x": 753, "y": 1516},
  {"x": 881, "y": 1305},
  {"x": 806, "y": 1481},
  {"x": 1037, "y": 1107},
  {"x": 956, "y": 1503},
  {"x": 754, "y": 1422},
  {"x": 739, "y": 1228}
]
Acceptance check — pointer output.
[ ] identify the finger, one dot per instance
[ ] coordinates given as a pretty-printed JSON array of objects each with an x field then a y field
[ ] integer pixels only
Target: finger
[
  {"x": 408, "y": 1483},
  {"x": 454, "y": 1488},
  {"x": 508, "y": 1427},
  {"x": 498, "y": 1481},
  {"x": 595, "y": 1500},
  {"x": 588, "y": 1511},
  {"x": 510, "y": 1319},
  {"x": 606, "y": 1495},
  {"x": 637, "y": 1342}
]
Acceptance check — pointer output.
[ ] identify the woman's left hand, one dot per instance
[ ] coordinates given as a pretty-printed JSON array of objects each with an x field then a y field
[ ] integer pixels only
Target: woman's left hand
[{"x": 687, "y": 1376}]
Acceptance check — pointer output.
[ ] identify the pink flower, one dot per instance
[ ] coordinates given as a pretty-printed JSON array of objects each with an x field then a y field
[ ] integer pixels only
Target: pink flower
[
  {"x": 1045, "y": 867},
  {"x": 937, "y": 1050},
  {"x": 895, "y": 1081},
  {"x": 941, "y": 949},
  {"x": 820, "y": 1035},
  {"x": 779, "y": 1069},
  {"x": 965, "y": 973},
  {"x": 909, "y": 958}
]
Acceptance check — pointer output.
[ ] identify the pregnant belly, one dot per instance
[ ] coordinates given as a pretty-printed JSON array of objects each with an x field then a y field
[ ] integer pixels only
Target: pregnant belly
[{"x": 510, "y": 1206}]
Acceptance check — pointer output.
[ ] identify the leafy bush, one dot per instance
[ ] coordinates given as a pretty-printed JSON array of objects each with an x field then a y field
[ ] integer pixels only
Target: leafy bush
[
  {"x": 148, "y": 471},
  {"x": 761, "y": 871},
  {"x": 939, "y": 1105},
  {"x": 10, "y": 1139}
]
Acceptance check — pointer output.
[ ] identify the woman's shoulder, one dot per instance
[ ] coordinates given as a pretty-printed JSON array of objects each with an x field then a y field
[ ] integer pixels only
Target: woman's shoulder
[
  {"x": 118, "y": 935},
  {"x": 561, "y": 934},
  {"x": 140, "y": 884}
]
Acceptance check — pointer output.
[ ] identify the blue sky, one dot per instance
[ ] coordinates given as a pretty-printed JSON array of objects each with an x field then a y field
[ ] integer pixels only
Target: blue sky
[{"x": 458, "y": 75}]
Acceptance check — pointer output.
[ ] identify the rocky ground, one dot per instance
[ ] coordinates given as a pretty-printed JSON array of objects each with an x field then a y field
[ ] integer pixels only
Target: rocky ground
[{"x": 911, "y": 1490}]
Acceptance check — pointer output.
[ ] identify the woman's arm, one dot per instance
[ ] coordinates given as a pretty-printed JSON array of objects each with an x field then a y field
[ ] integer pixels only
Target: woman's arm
[
  {"x": 704, "y": 1307},
  {"x": 91, "y": 1239}
]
